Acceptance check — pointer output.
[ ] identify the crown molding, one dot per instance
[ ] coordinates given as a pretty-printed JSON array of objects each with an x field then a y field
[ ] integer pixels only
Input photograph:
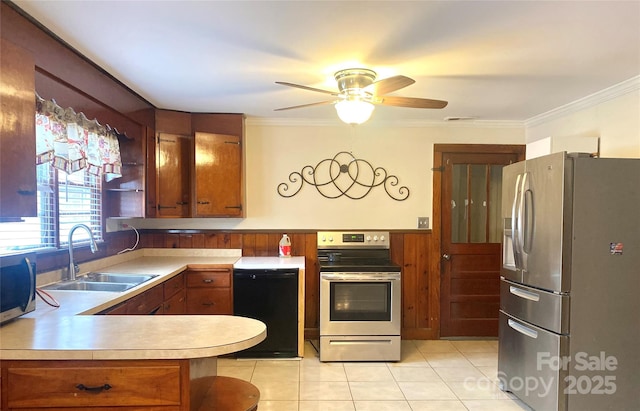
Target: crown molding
[
  {"x": 290, "y": 122},
  {"x": 589, "y": 101}
]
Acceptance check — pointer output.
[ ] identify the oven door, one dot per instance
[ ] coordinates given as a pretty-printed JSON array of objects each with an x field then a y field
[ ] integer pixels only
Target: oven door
[{"x": 359, "y": 303}]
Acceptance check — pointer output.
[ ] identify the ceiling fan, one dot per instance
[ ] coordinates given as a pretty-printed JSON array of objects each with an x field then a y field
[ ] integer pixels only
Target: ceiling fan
[{"x": 358, "y": 92}]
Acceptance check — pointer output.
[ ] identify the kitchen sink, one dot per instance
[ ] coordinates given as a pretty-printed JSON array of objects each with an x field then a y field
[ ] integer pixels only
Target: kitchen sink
[
  {"x": 116, "y": 278},
  {"x": 102, "y": 282},
  {"x": 91, "y": 286}
]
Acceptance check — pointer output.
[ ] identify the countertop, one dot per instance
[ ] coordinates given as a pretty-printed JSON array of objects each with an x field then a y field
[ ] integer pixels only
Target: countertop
[{"x": 71, "y": 332}]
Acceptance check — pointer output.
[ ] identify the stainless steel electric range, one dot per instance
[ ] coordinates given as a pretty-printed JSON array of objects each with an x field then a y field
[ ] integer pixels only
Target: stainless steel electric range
[{"x": 360, "y": 297}]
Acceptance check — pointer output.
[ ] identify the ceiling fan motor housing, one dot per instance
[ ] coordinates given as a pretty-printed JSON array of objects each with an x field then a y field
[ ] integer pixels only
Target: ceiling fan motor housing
[{"x": 351, "y": 82}]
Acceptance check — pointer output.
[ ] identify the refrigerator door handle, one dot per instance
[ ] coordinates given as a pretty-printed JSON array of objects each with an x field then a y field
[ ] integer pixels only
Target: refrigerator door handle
[
  {"x": 515, "y": 223},
  {"x": 527, "y": 295},
  {"x": 521, "y": 223},
  {"x": 522, "y": 329}
]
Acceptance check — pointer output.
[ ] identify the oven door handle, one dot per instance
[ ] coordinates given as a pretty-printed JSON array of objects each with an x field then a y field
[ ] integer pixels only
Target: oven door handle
[{"x": 359, "y": 277}]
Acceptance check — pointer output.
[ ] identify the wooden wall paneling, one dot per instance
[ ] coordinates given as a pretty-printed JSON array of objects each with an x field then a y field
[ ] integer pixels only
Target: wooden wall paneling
[
  {"x": 249, "y": 245},
  {"x": 312, "y": 287},
  {"x": 185, "y": 240},
  {"x": 198, "y": 240},
  {"x": 66, "y": 64},
  {"x": 173, "y": 122},
  {"x": 419, "y": 307},
  {"x": 233, "y": 240},
  {"x": 218, "y": 123},
  {"x": 17, "y": 133},
  {"x": 172, "y": 241},
  {"x": 151, "y": 193}
]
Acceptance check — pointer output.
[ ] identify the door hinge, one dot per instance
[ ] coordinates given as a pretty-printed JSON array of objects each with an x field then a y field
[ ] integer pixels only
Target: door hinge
[{"x": 441, "y": 168}]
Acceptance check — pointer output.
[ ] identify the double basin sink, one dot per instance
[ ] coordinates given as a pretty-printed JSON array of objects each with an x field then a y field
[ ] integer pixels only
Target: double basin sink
[{"x": 102, "y": 282}]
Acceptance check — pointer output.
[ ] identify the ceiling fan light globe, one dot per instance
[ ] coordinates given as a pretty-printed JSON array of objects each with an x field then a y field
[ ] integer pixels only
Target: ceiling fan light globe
[{"x": 354, "y": 111}]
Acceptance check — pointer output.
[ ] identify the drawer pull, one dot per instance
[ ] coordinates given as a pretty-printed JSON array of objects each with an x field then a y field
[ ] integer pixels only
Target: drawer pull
[
  {"x": 527, "y": 295},
  {"x": 207, "y": 281},
  {"x": 95, "y": 390},
  {"x": 209, "y": 304},
  {"x": 522, "y": 329}
]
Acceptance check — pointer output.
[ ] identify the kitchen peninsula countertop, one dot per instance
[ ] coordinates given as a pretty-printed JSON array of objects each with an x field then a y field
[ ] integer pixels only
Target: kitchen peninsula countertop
[{"x": 71, "y": 332}]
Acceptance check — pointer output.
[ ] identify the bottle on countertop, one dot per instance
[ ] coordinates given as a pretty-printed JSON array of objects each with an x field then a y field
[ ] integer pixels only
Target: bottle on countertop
[{"x": 285, "y": 246}]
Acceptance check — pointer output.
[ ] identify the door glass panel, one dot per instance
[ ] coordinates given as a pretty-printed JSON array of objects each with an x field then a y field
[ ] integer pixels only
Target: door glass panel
[
  {"x": 478, "y": 203},
  {"x": 476, "y": 220},
  {"x": 495, "y": 202},
  {"x": 459, "y": 206}
]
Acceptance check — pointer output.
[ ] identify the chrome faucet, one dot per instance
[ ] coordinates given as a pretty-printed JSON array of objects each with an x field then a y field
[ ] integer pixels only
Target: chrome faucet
[{"x": 73, "y": 267}]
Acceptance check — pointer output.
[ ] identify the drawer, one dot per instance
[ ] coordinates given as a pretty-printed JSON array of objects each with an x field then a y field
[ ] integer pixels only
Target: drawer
[
  {"x": 83, "y": 387},
  {"x": 173, "y": 285},
  {"x": 542, "y": 308},
  {"x": 519, "y": 366},
  {"x": 209, "y": 301},
  {"x": 220, "y": 278},
  {"x": 147, "y": 302}
]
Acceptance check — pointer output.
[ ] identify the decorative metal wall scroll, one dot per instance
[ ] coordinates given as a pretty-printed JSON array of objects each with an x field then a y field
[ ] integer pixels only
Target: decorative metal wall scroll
[{"x": 343, "y": 175}]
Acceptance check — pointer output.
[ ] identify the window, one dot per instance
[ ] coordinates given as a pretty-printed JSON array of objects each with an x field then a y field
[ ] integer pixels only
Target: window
[
  {"x": 73, "y": 155},
  {"x": 63, "y": 201}
]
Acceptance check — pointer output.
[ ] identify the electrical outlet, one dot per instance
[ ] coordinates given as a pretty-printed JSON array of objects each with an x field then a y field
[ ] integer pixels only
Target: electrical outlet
[{"x": 423, "y": 222}]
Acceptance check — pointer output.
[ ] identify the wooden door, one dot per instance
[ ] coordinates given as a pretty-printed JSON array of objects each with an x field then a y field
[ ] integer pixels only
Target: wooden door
[
  {"x": 173, "y": 166},
  {"x": 218, "y": 175},
  {"x": 470, "y": 235}
]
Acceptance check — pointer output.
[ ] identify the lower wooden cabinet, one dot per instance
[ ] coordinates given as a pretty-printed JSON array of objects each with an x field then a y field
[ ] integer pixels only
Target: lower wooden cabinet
[
  {"x": 89, "y": 385},
  {"x": 210, "y": 290},
  {"x": 175, "y": 295}
]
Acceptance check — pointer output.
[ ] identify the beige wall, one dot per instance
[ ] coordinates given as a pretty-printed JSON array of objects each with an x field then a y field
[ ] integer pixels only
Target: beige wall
[
  {"x": 273, "y": 151},
  {"x": 615, "y": 120}
]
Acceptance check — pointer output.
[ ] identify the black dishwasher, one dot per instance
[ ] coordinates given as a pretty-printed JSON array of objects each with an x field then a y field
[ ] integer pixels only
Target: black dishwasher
[{"x": 271, "y": 296}]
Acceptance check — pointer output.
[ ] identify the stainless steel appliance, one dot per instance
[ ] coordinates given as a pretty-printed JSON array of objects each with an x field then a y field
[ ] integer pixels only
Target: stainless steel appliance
[
  {"x": 360, "y": 297},
  {"x": 17, "y": 286},
  {"x": 570, "y": 286}
]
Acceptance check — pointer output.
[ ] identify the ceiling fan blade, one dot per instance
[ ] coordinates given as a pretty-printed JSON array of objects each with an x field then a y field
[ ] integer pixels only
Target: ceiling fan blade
[
  {"x": 333, "y": 93},
  {"x": 320, "y": 103},
  {"x": 411, "y": 102},
  {"x": 389, "y": 85}
]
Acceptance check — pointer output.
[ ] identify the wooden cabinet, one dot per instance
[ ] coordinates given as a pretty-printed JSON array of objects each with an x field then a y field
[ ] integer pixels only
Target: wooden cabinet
[
  {"x": 166, "y": 298},
  {"x": 173, "y": 178},
  {"x": 198, "y": 165},
  {"x": 17, "y": 133},
  {"x": 175, "y": 295},
  {"x": 149, "y": 302},
  {"x": 209, "y": 290},
  {"x": 88, "y": 385},
  {"x": 218, "y": 176}
]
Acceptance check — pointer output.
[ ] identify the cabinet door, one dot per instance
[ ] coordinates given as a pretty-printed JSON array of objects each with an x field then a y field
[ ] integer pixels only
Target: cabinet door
[
  {"x": 17, "y": 133},
  {"x": 177, "y": 304},
  {"x": 173, "y": 159},
  {"x": 218, "y": 187}
]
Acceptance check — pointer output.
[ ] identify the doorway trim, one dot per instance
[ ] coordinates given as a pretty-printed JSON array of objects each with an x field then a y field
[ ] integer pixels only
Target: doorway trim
[{"x": 435, "y": 265}]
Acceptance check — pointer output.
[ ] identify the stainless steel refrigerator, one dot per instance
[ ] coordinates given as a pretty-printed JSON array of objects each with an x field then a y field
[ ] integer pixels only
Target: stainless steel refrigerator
[{"x": 570, "y": 283}]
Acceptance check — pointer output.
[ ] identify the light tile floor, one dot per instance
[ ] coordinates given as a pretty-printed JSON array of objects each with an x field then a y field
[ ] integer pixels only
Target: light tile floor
[{"x": 433, "y": 375}]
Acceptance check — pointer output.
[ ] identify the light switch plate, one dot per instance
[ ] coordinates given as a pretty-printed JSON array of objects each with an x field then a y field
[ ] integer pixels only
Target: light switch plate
[{"x": 423, "y": 222}]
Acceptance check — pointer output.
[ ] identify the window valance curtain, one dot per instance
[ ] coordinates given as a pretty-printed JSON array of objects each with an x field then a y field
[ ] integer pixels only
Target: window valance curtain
[{"x": 72, "y": 142}]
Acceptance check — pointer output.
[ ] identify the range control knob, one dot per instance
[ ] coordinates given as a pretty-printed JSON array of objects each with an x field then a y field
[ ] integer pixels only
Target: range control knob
[
  {"x": 330, "y": 239},
  {"x": 375, "y": 238},
  {"x": 368, "y": 238},
  {"x": 381, "y": 238}
]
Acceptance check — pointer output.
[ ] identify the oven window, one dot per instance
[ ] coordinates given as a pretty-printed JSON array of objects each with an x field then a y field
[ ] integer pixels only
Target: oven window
[{"x": 360, "y": 301}]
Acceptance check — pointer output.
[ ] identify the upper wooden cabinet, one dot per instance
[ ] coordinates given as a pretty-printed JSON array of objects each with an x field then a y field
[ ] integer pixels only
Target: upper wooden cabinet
[
  {"x": 17, "y": 133},
  {"x": 198, "y": 165},
  {"x": 218, "y": 176}
]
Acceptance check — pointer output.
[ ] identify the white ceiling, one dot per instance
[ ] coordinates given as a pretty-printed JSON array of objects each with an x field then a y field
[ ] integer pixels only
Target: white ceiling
[{"x": 494, "y": 60}]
